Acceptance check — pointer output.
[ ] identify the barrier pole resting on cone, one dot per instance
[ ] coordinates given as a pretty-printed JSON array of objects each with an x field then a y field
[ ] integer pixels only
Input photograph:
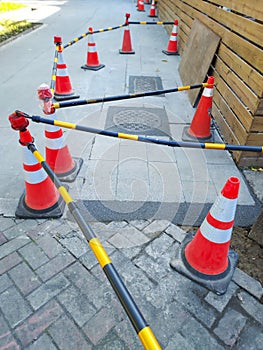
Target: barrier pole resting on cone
[
  {"x": 206, "y": 258},
  {"x": 40, "y": 199},
  {"x": 63, "y": 87},
  {"x": 141, "y": 6},
  {"x": 57, "y": 152},
  {"x": 126, "y": 43},
  {"x": 141, "y": 327},
  {"x": 172, "y": 48},
  {"x": 152, "y": 10},
  {"x": 92, "y": 55},
  {"x": 199, "y": 129}
]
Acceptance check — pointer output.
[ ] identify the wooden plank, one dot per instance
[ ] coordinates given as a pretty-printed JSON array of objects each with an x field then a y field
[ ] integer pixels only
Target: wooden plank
[
  {"x": 252, "y": 8},
  {"x": 247, "y": 73},
  {"x": 197, "y": 56},
  {"x": 260, "y": 108},
  {"x": 255, "y": 138},
  {"x": 257, "y": 124},
  {"x": 248, "y": 159},
  {"x": 245, "y": 94}
]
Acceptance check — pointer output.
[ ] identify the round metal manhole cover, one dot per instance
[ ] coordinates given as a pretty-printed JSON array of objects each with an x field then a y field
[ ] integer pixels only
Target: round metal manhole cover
[
  {"x": 139, "y": 120},
  {"x": 144, "y": 84}
]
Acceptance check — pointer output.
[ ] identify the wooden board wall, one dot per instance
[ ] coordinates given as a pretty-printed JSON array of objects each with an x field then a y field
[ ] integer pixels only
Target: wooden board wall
[{"x": 237, "y": 67}]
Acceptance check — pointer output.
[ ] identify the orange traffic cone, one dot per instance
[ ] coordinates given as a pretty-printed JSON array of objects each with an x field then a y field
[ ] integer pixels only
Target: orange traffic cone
[
  {"x": 152, "y": 10},
  {"x": 207, "y": 259},
  {"x": 172, "y": 44},
  {"x": 57, "y": 153},
  {"x": 199, "y": 129},
  {"x": 63, "y": 88},
  {"x": 41, "y": 198},
  {"x": 140, "y": 5},
  {"x": 92, "y": 55},
  {"x": 126, "y": 43}
]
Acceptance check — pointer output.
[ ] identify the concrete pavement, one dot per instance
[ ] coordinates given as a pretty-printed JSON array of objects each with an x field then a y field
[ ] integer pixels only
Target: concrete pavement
[{"x": 138, "y": 192}]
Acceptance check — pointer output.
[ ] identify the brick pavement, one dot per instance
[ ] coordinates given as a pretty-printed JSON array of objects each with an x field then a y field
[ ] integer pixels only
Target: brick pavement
[{"x": 54, "y": 295}]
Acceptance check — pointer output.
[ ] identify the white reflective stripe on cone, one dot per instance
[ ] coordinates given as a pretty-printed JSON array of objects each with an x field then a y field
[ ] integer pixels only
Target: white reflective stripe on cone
[
  {"x": 62, "y": 72},
  {"x": 174, "y": 31},
  {"x": 34, "y": 177},
  {"x": 173, "y": 38},
  {"x": 224, "y": 209},
  {"x": 52, "y": 128},
  {"x": 208, "y": 92},
  {"x": 55, "y": 143},
  {"x": 92, "y": 48},
  {"x": 28, "y": 157},
  {"x": 215, "y": 235},
  {"x": 60, "y": 58}
]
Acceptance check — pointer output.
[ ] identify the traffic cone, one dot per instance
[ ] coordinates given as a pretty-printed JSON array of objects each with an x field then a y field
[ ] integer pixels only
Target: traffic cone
[
  {"x": 92, "y": 55},
  {"x": 140, "y": 5},
  {"x": 126, "y": 43},
  {"x": 199, "y": 129},
  {"x": 57, "y": 153},
  {"x": 63, "y": 88},
  {"x": 206, "y": 258},
  {"x": 147, "y": 2},
  {"x": 41, "y": 199},
  {"x": 152, "y": 10},
  {"x": 172, "y": 44}
]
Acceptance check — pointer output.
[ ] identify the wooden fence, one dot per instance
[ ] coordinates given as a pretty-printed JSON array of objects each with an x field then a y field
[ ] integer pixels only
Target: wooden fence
[{"x": 237, "y": 66}]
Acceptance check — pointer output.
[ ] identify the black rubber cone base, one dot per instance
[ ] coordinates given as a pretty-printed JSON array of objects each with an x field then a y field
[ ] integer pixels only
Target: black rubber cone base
[
  {"x": 187, "y": 137},
  {"x": 54, "y": 212},
  {"x": 216, "y": 283},
  {"x": 126, "y": 52},
  {"x": 65, "y": 97},
  {"x": 171, "y": 53},
  {"x": 70, "y": 176},
  {"x": 85, "y": 67},
  {"x": 152, "y": 16}
]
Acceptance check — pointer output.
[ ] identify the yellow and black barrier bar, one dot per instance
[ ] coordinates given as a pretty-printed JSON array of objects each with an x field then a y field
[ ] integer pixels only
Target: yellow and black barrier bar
[
  {"x": 74, "y": 41},
  {"x": 172, "y": 143},
  {"x": 142, "y": 329},
  {"x": 157, "y": 23},
  {"x": 54, "y": 71},
  {"x": 75, "y": 103}
]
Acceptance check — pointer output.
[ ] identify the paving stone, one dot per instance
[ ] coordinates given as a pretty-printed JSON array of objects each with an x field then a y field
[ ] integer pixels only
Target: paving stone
[
  {"x": 3, "y": 239},
  {"x": 127, "y": 334},
  {"x": 112, "y": 342},
  {"x": 5, "y": 282},
  {"x": 33, "y": 255},
  {"x": 7, "y": 340},
  {"x": 11, "y": 246},
  {"x": 99, "y": 325},
  {"x": 19, "y": 229},
  {"x": 77, "y": 304},
  {"x": 251, "y": 306},
  {"x": 198, "y": 336},
  {"x": 178, "y": 342},
  {"x": 54, "y": 266},
  {"x": 9, "y": 261},
  {"x": 50, "y": 246},
  {"x": 230, "y": 326},
  {"x": 43, "y": 229},
  {"x": 9, "y": 301},
  {"x": 155, "y": 228},
  {"x": 158, "y": 247},
  {"x": 38, "y": 322},
  {"x": 75, "y": 244},
  {"x": 139, "y": 224},
  {"x": 89, "y": 260},
  {"x": 25, "y": 279},
  {"x": 177, "y": 233},
  {"x": 219, "y": 302},
  {"x": 42, "y": 343},
  {"x": 128, "y": 237},
  {"x": 47, "y": 291},
  {"x": 67, "y": 336},
  {"x": 251, "y": 338},
  {"x": 105, "y": 231},
  {"x": 6, "y": 223},
  {"x": 151, "y": 267},
  {"x": 132, "y": 252},
  {"x": 248, "y": 283}
]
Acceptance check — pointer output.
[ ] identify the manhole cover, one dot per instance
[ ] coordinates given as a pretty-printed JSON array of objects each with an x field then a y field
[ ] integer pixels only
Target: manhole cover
[
  {"x": 138, "y": 121},
  {"x": 144, "y": 84}
]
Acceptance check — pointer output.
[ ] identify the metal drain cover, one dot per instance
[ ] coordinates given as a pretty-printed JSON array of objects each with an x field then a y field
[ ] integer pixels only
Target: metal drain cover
[
  {"x": 138, "y": 121},
  {"x": 144, "y": 83}
]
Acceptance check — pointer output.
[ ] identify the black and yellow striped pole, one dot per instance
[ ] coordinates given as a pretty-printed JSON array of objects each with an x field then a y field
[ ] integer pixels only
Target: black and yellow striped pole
[
  {"x": 54, "y": 71},
  {"x": 141, "y": 327},
  {"x": 151, "y": 23},
  {"x": 75, "y": 103},
  {"x": 171, "y": 143}
]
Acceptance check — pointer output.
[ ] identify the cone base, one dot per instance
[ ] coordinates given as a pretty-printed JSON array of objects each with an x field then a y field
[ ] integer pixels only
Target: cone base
[
  {"x": 85, "y": 67},
  {"x": 126, "y": 52},
  {"x": 170, "y": 53},
  {"x": 152, "y": 16},
  {"x": 188, "y": 137},
  {"x": 216, "y": 283},
  {"x": 24, "y": 212},
  {"x": 65, "y": 97},
  {"x": 71, "y": 175}
]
